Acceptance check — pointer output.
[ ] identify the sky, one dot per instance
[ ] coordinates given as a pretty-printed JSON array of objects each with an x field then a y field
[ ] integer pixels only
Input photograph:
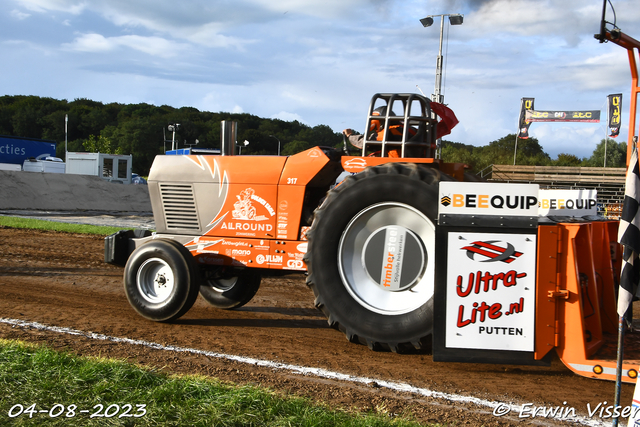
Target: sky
[{"x": 321, "y": 61}]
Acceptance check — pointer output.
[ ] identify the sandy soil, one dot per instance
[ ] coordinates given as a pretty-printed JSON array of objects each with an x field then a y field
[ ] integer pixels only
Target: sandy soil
[{"x": 61, "y": 279}]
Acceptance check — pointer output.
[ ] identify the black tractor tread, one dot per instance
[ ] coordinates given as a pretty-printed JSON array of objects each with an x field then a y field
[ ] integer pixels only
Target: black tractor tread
[{"x": 428, "y": 175}]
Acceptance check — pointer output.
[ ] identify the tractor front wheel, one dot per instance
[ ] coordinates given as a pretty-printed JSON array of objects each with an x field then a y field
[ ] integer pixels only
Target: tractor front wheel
[{"x": 161, "y": 280}]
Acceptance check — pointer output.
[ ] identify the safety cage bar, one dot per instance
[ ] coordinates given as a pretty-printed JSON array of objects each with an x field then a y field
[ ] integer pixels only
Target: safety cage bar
[{"x": 414, "y": 134}]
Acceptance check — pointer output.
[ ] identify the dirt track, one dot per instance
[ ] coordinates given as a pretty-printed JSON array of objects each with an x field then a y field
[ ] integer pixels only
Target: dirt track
[{"x": 61, "y": 279}]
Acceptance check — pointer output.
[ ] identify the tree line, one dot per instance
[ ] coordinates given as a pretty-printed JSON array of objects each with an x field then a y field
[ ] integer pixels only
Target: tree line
[
  {"x": 141, "y": 130},
  {"x": 529, "y": 152}
]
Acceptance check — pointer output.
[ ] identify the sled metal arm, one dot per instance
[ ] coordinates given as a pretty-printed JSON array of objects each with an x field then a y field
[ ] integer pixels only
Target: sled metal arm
[{"x": 633, "y": 48}]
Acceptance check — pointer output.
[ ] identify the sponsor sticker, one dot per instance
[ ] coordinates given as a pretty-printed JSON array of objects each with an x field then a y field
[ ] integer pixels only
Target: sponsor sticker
[
  {"x": 357, "y": 163},
  {"x": 490, "y": 291},
  {"x": 575, "y": 203},
  {"x": 479, "y": 198}
]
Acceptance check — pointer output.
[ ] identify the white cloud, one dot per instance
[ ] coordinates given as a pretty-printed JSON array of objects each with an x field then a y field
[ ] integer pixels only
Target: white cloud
[
  {"x": 320, "y": 61},
  {"x": 92, "y": 43},
  {"x": 600, "y": 72},
  {"x": 154, "y": 46},
  {"x": 210, "y": 35},
  {"x": 579, "y": 139},
  {"x": 318, "y": 8},
  {"x": 16, "y": 14},
  {"x": 70, "y": 6},
  {"x": 287, "y": 116}
]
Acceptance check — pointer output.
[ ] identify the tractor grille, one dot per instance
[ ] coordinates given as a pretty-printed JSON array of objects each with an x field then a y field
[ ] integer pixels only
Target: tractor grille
[{"x": 179, "y": 206}]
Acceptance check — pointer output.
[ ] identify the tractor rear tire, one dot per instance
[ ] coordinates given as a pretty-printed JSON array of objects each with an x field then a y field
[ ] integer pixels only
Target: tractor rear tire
[
  {"x": 229, "y": 290},
  {"x": 371, "y": 256},
  {"x": 161, "y": 280}
]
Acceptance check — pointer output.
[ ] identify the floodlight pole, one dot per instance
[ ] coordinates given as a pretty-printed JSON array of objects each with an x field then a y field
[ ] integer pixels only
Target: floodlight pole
[
  {"x": 66, "y": 126},
  {"x": 437, "y": 97},
  {"x": 173, "y": 128},
  {"x": 272, "y": 136},
  {"x": 454, "y": 19}
]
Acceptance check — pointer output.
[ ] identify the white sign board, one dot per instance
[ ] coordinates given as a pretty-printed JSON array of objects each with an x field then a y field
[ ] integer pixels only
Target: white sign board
[
  {"x": 481, "y": 198},
  {"x": 567, "y": 202},
  {"x": 634, "y": 417},
  {"x": 490, "y": 291}
]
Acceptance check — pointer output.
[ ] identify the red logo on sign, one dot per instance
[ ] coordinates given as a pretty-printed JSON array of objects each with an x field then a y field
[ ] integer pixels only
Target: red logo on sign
[{"x": 492, "y": 252}]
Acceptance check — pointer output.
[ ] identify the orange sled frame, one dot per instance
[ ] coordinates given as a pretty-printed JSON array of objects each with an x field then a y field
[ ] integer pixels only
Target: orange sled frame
[{"x": 578, "y": 268}]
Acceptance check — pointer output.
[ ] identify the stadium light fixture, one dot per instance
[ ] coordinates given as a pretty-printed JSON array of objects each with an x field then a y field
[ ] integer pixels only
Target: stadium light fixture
[{"x": 454, "y": 19}]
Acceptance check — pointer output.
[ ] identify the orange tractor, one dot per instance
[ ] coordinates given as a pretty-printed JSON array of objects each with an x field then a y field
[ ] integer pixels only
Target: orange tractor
[{"x": 402, "y": 255}]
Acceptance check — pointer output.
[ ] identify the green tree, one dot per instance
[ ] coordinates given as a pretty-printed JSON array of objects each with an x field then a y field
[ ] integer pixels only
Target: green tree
[
  {"x": 565, "y": 159},
  {"x": 616, "y": 154},
  {"x": 295, "y": 147},
  {"x": 456, "y": 152},
  {"x": 500, "y": 152},
  {"x": 100, "y": 144}
]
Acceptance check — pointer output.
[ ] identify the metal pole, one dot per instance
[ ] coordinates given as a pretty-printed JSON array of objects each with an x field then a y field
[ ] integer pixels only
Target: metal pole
[
  {"x": 228, "y": 132},
  {"x": 272, "y": 136},
  {"x": 436, "y": 95},
  {"x": 616, "y": 398},
  {"x": 515, "y": 150},
  {"x": 66, "y": 125}
]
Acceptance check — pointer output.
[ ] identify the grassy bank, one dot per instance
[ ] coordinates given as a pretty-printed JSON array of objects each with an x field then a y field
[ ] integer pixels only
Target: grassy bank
[
  {"x": 39, "y": 386},
  {"x": 39, "y": 224}
]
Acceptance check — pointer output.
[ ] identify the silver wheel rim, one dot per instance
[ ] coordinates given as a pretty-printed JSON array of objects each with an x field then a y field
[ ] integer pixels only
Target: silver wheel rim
[
  {"x": 222, "y": 285},
  {"x": 155, "y": 280},
  {"x": 361, "y": 242}
]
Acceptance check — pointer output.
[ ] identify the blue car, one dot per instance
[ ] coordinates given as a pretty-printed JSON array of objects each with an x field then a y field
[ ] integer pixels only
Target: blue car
[{"x": 137, "y": 179}]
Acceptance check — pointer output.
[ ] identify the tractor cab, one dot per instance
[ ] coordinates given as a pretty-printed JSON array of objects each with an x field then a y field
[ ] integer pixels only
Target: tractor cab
[
  {"x": 400, "y": 125},
  {"x": 405, "y": 128}
]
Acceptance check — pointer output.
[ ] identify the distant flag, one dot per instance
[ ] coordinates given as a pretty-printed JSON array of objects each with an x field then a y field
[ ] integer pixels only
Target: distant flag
[
  {"x": 629, "y": 237},
  {"x": 614, "y": 108},
  {"x": 523, "y": 124}
]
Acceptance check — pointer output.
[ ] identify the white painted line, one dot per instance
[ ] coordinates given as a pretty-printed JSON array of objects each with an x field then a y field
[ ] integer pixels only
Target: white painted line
[{"x": 303, "y": 370}]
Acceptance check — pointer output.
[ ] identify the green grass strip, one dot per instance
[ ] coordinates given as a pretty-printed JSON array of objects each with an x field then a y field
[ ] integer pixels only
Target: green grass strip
[
  {"x": 37, "y": 378},
  {"x": 40, "y": 224}
]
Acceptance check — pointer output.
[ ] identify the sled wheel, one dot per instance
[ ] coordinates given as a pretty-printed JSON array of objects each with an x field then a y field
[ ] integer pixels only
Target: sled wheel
[
  {"x": 371, "y": 256},
  {"x": 160, "y": 280},
  {"x": 229, "y": 288}
]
